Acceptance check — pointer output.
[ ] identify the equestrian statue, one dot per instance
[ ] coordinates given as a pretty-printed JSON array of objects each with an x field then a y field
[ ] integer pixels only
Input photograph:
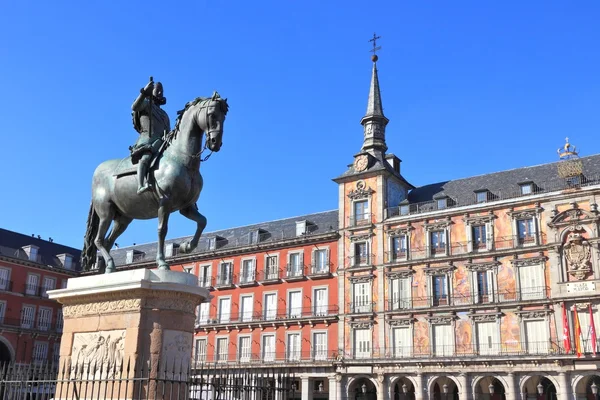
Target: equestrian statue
[{"x": 161, "y": 176}]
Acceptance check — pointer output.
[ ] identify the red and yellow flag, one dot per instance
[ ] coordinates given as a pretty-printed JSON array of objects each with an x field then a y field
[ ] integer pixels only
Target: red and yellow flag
[
  {"x": 577, "y": 333},
  {"x": 566, "y": 330}
]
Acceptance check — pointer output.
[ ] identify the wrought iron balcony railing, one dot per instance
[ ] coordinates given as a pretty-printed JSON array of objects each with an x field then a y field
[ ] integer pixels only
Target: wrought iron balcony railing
[
  {"x": 322, "y": 269},
  {"x": 247, "y": 278},
  {"x": 282, "y": 314},
  {"x": 362, "y": 307},
  {"x": 33, "y": 290},
  {"x": 206, "y": 282},
  {"x": 269, "y": 275},
  {"x": 31, "y": 325},
  {"x": 247, "y": 357},
  {"x": 294, "y": 271},
  {"x": 225, "y": 280},
  {"x": 360, "y": 219},
  {"x": 6, "y": 285},
  {"x": 362, "y": 260}
]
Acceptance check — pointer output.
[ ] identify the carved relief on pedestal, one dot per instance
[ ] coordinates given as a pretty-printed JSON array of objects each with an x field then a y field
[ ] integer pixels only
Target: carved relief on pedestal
[
  {"x": 577, "y": 253},
  {"x": 97, "y": 354}
]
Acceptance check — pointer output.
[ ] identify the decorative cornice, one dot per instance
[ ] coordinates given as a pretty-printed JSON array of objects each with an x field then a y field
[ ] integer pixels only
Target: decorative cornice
[
  {"x": 487, "y": 317},
  {"x": 362, "y": 237},
  {"x": 574, "y": 216},
  {"x": 482, "y": 266},
  {"x": 479, "y": 219},
  {"x": 527, "y": 213},
  {"x": 401, "y": 230},
  {"x": 444, "y": 269},
  {"x": 361, "y": 278},
  {"x": 402, "y": 321},
  {"x": 361, "y": 192},
  {"x": 104, "y": 307},
  {"x": 525, "y": 262},
  {"x": 437, "y": 225},
  {"x": 403, "y": 273},
  {"x": 534, "y": 313},
  {"x": 440, "y": 319},
  {"x": 361, "y": 324}
]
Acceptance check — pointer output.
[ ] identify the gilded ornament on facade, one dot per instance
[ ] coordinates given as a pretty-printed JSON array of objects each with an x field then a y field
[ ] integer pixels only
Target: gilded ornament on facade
[{"x": 577, "y": 254}]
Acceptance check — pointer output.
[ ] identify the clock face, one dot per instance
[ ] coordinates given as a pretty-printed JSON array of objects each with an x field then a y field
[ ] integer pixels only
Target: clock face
[{"x": 361, "y": 162}]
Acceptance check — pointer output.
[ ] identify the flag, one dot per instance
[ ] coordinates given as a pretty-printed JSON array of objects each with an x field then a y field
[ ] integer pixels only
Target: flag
[
  {"x": 593, "y": 338},
  {"x": 566, "y": 331},
  {"x": 577, "y": 333}
]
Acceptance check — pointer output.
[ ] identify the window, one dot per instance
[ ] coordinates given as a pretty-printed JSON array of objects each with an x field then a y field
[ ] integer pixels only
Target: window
[
  {"x": 479, "y": 237},
  {"x": 224, "y": 276},
  {"x": 204, "y": 276},
  {"x": 481, "y": 197},
  {"x": 4, "y": 279},
  {"x": 188, "y": 270},
  {"x": 483, "y": 287},
  {"x": 200, "y": 355},
  {"x": 212, "y": 243},
  {"x": 362, "y": 297},
  {"x": 49, "y": 284},
  {"x": 44, "y": 318},
  {"x": 244, "y": 350},
  {"x": 59, "y": 320},
  {"x": 443, "y": 337},
  {"x": 248, "y": 271},
  {"x": 2, "y": 311},
  {"x": 63, "y": 284},
  {"x": 401, "y": 293},
  {"x": 320, "y": 301},
  {"x": 362, "y": 343},
  {"x": 438, "y": 242},
  {"x": 402, "y": 342},
  {"x": 361, "y": 211},
  {"x": 536, "y": 336},
  {"x": 440, "y": 290},
  {"x": 27, "y": 316},
  {"x": 525, "y": 231},
  {"x": 295, "y": 304},
  {"x": 32, "y": 285},
  {"x": 129, "y": 257},
  {"x": 361, "y": 254},
  {"x": 33, "y": 255},
  {"x": 321, "y": 261},
  {"x": 526, "y": 188},
  {"x": 246, "y": 307},
  {"x": 442, "y": 203},
  {"x": 487, "y": 338},
  {"x": 56, "y": 353},
  {"x": 224, "y": 309},
  {"x": 404, "y": 210},
  {"x": 68, "y": 263},
  {"x": 222, "y": 349},
  {"x": 319, "y": 344},
  {"x": 293, "y": 347},
  {"x": 532, "y": 282},
  {"x": 270, "y": 306},
  {"x": 272, "y": 268},
  {"x": 300, "y": 228},
  {"x": 253, "y": 237},
  {"x": 398, "y": 247},
  {"x": 295, "y": 265},
  {"x": 268, "y": 348},
  {"x": 203, "y": 313},
  {"x": 40, "y": 352}
]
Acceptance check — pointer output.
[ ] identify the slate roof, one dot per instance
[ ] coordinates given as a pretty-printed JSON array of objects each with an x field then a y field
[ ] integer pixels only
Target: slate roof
[
  {"x": 504, "y": 184},
  {"x": 271, "y": 231},
  {"x": 12, "y": 243}
]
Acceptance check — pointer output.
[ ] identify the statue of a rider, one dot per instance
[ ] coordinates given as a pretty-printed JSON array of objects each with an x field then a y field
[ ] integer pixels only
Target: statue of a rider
[{"x": 152, "y": 123}]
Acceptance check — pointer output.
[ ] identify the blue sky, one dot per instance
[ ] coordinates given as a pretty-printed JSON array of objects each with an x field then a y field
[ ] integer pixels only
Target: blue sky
[{"x": 469, "y": 87}]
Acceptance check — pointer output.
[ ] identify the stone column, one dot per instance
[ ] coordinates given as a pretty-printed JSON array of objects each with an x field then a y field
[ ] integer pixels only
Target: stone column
[
  {"x": 338, "y": 387},
  {"x": 333, "y": 393},
  {"x": 419, "y": 389},
  {"x": 307, "y": 393},
  {"x": 141, "y": 319},
  {"x": 564, "y": 391},
  {"x": 512, "y": 391},
  {"x": 381, "y": 386},
  {"x": 465, "y": 390}
]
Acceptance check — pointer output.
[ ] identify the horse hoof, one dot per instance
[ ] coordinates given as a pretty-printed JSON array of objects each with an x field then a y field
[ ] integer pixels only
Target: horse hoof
[
  {"x": 163, "y": 266},
  {"x": 110, "y": 267},
  {"x": 184, "y": 247}
]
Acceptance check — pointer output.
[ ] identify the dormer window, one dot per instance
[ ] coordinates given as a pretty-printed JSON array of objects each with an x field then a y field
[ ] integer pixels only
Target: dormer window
[
  {"x": 253, "y": 237},
  {"x": 212, "y": 243},
  {"x": 66, "y": 260},
  {"x": 442, "y": 203},
  {"x": 32, "y": 252},
  {"x": 134, "y": 256},
  {"x": 300, "y": 228},
  {"x": 404, "y": 210},
  {"x": 481, "y": 196},
  {"x": 171, "y": 249},
  {"x": 526, "y": 188},
  {"x": 129, "y": 257}
]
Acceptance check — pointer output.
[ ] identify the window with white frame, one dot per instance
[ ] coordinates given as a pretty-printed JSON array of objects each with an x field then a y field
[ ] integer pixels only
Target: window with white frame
[
  {"x": 362, "y": 342},
  {"x": 33, "y": 253},
  {"x": 200, "y": 355},
  {"x": 63, "y": 283},
  {"x": 59, "y": 320},
  {"x": 49, "y": 284},
  {"x": 204, "y": 276},
  {"x": 488, "y": 342},
  {"x": 27, "y": 316},
  {"x": 4, "y": 278},
  {"x": 293, "y": 346},
  {"x": 32, "y": 285},
  {"x": 129, "y": 257},
  {"x": 361, "y": 292},
  {"x": 536, "y": 336},
  {"x": 270, "y": 306},
  {"x": 439, "y": 289},
  {"x": 2, "y": 311},
  {"x": 268, "y": 348},
  {"x": 294, "y": 304},
  {"x": 320, "y": 261},
  {"x": 203, "y": 313},
  {"x": 526, "y": 188},
  {"x": 320, "y": 303},
  {"x": 483, "y": 286},
  {"x": 44, "y": 318},
  {"x": 244, "y": 348},
  {"x": 361, "y": 212},
  {"x": 402, "y": 341},
  {"x": 479, "y": 235},
  {"x": 224, "y": 309},
  {"x": 246, "y": 307},
  {"x": 248, "y": 271},
  {"x": 525, "y": 231},
  {"x": 272, "y": 267},
  {"x": 319, "y": 345},
  {"x": 361, "y": 254},
  {"x": 437, "y": 241},
  {"x": 212, "y": 243},
  {"x": 224, "y": 277},
  {"x": 300, "y": 228},
  {"x": 481, "y": 196},
  {"x": 295, "y": 265},
  {"x": 222, "y": 349},
  {"x": 40, "y": 352},
  {"x": 443, "y": 340},
  {"x": 399, "y": 245},
  {"x": 532, "y": 283},
  {"x": 400, "y": 292},
  {"x": 480, "y": 232}
]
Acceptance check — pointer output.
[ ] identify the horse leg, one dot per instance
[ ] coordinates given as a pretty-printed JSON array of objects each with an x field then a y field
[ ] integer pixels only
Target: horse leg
[
  {"x": 120, "y": 224},
  {"x": 192, "y": 213},
  {"x": 163, "y": 222},
  {"x": 106, "y": 217}
]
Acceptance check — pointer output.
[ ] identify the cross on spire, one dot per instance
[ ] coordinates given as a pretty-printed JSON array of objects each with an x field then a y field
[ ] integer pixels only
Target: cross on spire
[{"x": 375, "y": 47}]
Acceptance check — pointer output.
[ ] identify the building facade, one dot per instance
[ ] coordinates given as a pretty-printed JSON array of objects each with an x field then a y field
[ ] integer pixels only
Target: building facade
[
  {"x": 476, "y": 288},
  {"x": 31, "y": 324}
]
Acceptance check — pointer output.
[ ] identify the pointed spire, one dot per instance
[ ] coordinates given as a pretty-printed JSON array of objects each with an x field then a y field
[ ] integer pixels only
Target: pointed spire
[{"x": 374, "y": 122}]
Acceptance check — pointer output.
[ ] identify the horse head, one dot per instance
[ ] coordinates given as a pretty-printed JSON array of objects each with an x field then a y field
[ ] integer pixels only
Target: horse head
[{"x": 211, "y": 118}]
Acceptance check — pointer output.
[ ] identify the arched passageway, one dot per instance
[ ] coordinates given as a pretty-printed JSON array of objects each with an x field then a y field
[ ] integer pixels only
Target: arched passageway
[
  {"x": 490, "y": 388},
  {"x": 539, "y": 387},
  {"x": 444, "y": 388},
  {"x": 362, "y": 389},
  {"x": 5, "y": 354},
  {"x": 403, "y": 389},
  {"x": 586, "y": 387}
]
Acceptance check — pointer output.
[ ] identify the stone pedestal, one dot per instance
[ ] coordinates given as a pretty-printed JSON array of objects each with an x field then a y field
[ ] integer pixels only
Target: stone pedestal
[{"x": 127, "y": 333}]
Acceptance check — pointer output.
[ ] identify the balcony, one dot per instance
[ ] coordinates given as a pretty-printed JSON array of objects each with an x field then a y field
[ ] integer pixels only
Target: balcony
[
  {"x": 395, "y": 256},
  {"x": 489, "y": 297},
  {"x": 33, "y": 290},
  {"x": 360, "y": 220},
  {"x": 361, "y": 307},
  {"x": 279, "y": 316},
  {"x": 206, "y": 282},
  {"x": 294, "y": 272},
  {"x": 366, "y": 261},
  {"x": 292, "y": 357},
  {"x": 224, "y": 281},
  {"x": 247, "y": 278},
  {"x": 19, "y": 324},
  {"x": 320, "y": 271},
  {"x": 6, "y": 285},
  {"x": 269, "y": 276}
]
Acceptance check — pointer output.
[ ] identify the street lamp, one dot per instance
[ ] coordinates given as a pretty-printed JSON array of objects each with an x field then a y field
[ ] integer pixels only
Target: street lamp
[
  {"x": 540, "y": 389},
  {"x": 594, "y": 388},
  {"x": 320, "y": 387},
  {"x": 445, "y": 389},
  {"x": 364, "y": 388},
  {"x": 404, "y": 389},
  {"x": 293, "y": 390}
]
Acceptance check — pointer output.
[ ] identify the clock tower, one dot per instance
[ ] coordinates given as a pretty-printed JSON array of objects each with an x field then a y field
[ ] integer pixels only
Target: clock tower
[{"x": 370, "y": 185}]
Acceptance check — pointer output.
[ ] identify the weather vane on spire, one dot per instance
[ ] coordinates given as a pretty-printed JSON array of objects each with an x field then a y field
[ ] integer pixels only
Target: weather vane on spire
[{"x": 375, "y": 47}]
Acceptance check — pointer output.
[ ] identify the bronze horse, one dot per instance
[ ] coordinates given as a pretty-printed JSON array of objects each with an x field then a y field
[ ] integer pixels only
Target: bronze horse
[{"x": 177, "y": 184}]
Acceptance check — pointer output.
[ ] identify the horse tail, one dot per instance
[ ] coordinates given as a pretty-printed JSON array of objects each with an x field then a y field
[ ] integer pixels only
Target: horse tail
[{"x": 88, "y": 254}]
